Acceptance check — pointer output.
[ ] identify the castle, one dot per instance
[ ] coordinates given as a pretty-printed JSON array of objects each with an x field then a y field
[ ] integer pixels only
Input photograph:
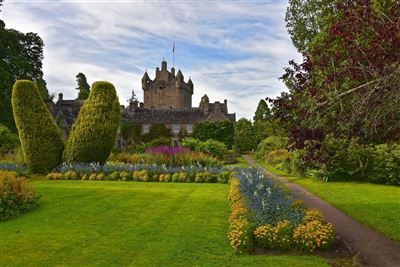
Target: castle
[{"x": 167, "y": 99}]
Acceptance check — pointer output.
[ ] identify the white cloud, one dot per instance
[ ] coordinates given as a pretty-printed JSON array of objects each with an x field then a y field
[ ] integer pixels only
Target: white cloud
[{"x": 232, "y": 51}]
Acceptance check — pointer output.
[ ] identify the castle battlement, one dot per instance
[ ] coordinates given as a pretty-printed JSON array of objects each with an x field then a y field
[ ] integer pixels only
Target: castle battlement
[{"x": 167, "y": 90}]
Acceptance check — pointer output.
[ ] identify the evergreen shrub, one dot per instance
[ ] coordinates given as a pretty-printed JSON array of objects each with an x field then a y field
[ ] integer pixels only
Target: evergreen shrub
[
  {"x": 93, "y": 135},
  {"x": 40, "y": 138}
]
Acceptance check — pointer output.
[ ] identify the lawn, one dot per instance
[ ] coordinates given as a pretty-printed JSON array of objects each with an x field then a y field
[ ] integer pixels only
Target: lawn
[
  {"x": 377, "y": 206},
  {"x": 99, "y": 223}
]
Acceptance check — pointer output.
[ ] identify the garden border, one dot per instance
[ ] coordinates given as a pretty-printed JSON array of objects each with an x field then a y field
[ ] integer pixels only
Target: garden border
[{"x": 373, "y": 248}]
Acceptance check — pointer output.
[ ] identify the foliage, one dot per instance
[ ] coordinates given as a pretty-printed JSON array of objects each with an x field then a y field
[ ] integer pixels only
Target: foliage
[
  {"x": 171, "y": 157},
  {"x": 156, "y": 131},
  {"x": 161, "y": 141},
  {"x": 131, "y": 133},
  {"x": 306, "y": 18},
  {"x": 212, "y": 147},
  {"x": 263, "y": 112},
  {"x": 16, "y": 196},
  {"x": 83, "y": 86},
  {"x": 93, "y": 134},
  {"x": 8, "y": 140},
  {"x": 20, "y": 58},
  {"x": 347, "y": 85},
  {"x": 342, "y": 159},
  {"x": 270, "y": 144},
  {"x": 244, "y": 135},
  {"x": 40, "y": 138},
  {"x": 220, "y": 131}
]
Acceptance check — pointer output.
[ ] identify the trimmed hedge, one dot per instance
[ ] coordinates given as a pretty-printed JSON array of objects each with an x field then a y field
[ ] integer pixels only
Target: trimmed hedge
[
  {"x": 93, "y": 134},
  {"x": 40, "y": 137}
]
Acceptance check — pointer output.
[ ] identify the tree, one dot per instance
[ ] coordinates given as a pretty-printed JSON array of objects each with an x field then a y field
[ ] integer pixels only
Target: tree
[
  {"x": 8, "y": 140},
  {"x": 40, "y": 137},
  {"x": 347, "y": 86},
  {"x": 263, "y": 112},
  {"x": 244, "y": 135},
  {"x": 83, "y": 86},
  {"x": 94, "y": 132},
  {"x": 133, "y": 97},
  {"x": 306, "y": 18},
  {"x": 21, "y": 57},
  {"x": 221, "y": 131}
]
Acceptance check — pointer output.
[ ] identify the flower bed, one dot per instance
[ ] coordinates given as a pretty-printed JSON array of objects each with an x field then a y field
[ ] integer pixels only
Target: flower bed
[
  {"x": 172, "y": 156},
  {"x": 141, "y": 172},
  {"x": 264, "y": 213},
  {"x": 16, "y": 196}
]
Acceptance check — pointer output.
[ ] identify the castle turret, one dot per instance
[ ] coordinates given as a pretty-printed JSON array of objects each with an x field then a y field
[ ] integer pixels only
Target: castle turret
[
  {"x": 190, "y": 84},
  {"x": 179, "y": 79},
  {"x": 145, "y": 81}
]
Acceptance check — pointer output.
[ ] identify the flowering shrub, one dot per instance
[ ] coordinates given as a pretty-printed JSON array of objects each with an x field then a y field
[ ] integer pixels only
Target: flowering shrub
[
  {"x": 141, "y": 172},
  {"x": 169, "y": 151},
  {"x": 313, "y": 235},
  {"x": 267, "y": 199},
  {"x": 279, "y": 237},
  {"x": 239, "y": 227},
  {"x": 167, "y": 156},
  {"x": 263, "y": 210},
  {"x": 12, "y": 167},
  {"x": 16, "y": 196}
]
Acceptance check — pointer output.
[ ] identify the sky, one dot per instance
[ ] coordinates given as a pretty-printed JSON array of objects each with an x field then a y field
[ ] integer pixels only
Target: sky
[{"x": 233, "y": 50}]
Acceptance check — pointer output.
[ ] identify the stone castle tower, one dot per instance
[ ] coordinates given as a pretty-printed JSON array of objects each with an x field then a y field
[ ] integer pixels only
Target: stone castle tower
[{"x": 167, "y": 90}]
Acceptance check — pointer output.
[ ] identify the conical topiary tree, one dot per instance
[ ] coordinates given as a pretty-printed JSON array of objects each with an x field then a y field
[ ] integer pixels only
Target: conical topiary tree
[
  {"x": 39, "y": 135},
  {"x": 94, "y": 132}
]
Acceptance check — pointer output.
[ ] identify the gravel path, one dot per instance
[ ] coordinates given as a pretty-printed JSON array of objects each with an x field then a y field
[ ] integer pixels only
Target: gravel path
[{"x": 374, "y": 248}]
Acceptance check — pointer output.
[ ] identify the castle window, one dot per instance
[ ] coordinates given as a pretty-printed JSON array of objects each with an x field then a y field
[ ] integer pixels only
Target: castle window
[
  {"x": 189, "y": 128},
  {"x": 146, "y": 128},
  {"x": 176, "y": 128}
]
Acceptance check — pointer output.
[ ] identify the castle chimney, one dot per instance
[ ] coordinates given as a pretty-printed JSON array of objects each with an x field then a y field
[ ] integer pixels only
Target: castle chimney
[
  {"x": 141, "y": 105},
  {"x": 173, "y": 71},
  {"x": 226, "y": 106},
  {"x": 60, "y": 97},
  {"x": 157, "y": 72}
]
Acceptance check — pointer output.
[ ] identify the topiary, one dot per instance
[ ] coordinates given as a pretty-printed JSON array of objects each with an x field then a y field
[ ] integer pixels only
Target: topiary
[
  {"x": 93, "y": 134},
  {"x": 40, "y": 138}
]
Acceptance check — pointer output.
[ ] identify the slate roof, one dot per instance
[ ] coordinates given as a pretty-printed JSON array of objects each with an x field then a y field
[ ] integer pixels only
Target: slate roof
[{"x": 164, "y": 115}]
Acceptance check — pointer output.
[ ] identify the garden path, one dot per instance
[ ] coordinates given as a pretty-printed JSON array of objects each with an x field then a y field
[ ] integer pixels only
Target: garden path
[{"x": 373, "y": 248}]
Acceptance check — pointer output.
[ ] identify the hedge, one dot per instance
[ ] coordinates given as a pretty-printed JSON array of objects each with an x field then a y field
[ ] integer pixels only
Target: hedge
[
  {"x": 40, "y": 138},
  {"x": 93, "y": 134}
]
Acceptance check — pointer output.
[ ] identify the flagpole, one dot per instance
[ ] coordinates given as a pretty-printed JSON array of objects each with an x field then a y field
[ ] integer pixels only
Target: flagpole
[{"x": 173, "y": 55}]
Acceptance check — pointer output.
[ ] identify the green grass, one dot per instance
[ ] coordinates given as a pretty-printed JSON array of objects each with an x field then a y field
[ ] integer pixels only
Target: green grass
[
  {"x": 377, "y": 206},
  {"x": 99, "y": 223}
]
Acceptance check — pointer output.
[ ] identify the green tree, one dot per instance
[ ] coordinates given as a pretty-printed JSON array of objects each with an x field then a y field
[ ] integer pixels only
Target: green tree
[
  {"x": 94, "y": 132},
  {"x": 8, "y": 140},
  {"x": 306, "y": 18},
  {"x": 221, "y": 131},
  {"x": 263, "y": 112},
  {"x": 244, "y": 135},
  {"x": 40, "y": 137},
  {"x": 156, "y": 131},
  {"x": 83, "y": 86},
  {"x": 21, "y": 57}
]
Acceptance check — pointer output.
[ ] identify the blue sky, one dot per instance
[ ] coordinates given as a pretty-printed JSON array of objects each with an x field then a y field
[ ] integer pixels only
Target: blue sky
[{"x": 232, "y": 50}]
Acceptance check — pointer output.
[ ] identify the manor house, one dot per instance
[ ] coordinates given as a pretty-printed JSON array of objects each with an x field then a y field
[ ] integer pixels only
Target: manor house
[{"x": 167, "y": 99}]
